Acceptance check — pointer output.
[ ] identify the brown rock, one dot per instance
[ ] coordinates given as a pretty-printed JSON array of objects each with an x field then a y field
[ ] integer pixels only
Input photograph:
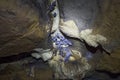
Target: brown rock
[
  {"x": 108, "y": 24},
  {"x": 20, "y": 30},
  {"x": 110, "y": 63}
]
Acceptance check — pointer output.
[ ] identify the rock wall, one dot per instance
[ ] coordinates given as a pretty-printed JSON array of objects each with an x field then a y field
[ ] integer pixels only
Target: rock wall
[
  {"x": 103, "y": 16},
  {"x": 108, "y": 25},
  {"x": 21, "y": 26}
]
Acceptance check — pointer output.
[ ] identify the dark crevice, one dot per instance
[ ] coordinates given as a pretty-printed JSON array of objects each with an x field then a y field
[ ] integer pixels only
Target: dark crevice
[
  {"x": 13, "y": 58},
  {"x": 97, "y": 75},
  {"x": 90, "y": 48},
  {"x": 94, "y": 49},
  {"x": 110, "y": 74}
]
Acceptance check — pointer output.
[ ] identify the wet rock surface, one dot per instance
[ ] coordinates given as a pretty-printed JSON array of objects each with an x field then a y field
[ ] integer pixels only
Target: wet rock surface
[{"x": 20, "y": 31}]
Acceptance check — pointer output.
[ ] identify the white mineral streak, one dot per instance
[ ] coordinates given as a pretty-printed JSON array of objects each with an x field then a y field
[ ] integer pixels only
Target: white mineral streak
[
  {"x": 100, "y": 38},
  {"x": 55, "y": 27},
  {"x": 56, "y": 20},
  {"x": 36, "y": 55},
  {"x": 91, "y": 39},
  {"x": 44, "y": 54},
  {"x": 84, "y": 33},
  {"x": 69, "y": 70},
  {"x": 70, "y": 29},
  {"x": 47, "y": 55}
]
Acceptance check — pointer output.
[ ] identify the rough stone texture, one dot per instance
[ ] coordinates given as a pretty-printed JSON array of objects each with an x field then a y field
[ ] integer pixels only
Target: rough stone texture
[
  {"x": 103, "y": 16},
  {"x": 108, "y": 24},
  {"x": 20, "y": 30},
  {"x": 110, "y": 63},
  {"x": 69, "y": 70},
  {"x": 83, "y": 12},
  {"x": 20, "y": 70}
]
